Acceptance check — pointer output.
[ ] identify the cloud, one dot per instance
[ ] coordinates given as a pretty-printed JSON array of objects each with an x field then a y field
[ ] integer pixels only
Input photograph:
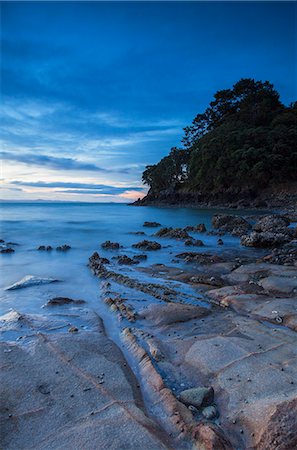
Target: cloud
[
  {"x": 79, "y": 188},
  {"x": 52, "y": 162}
]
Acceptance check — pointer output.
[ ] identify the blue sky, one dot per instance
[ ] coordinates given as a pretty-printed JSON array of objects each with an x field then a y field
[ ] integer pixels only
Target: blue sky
[{"x": 94, "y": 91}]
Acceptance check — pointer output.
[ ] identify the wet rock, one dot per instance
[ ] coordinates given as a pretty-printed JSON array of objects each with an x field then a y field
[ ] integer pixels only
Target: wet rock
[
  {"x": 73, "y": 330},
  {"x": 66, "y": 364},
  {"x": 216, "y": 233},
  {"x": 126, "y": 260},
  {"x": 264, "y": 239},
  {"x": 201, "y": 258},
  {"x": 147, "y": 245},
  {"x": 59, "y": 301},
  {"x": 172, "y": 313},
  {"x": 141, "y": 256},
  {"x": 272, "y": 223},
  {"x": 45, "y": 248},
  {"x": 118, "y": 304},
  {"x": 210, "y": 412},
  {"x": 200, "y": 228},
  {"x": 210, "y": 437},
  {"x": 151, "y": 224},
  {"x": 63, "y": 248},
  {"x": 287, "y": 255},
  {"x": 207, "y": 279},
  {"x": 108, "y": 245},
  {"x": 194, "y": 242},
  {"x": 7, "y": 250},
  {"x": 30, "y": 280},
  {"x": 138, "y": 233},
  {"x": 278, "y": 284},
  {"x": 174, "y": 233},
  {"x": 198, "y": 397},
  {"x": 220, "y": 242},
  {"x": 232, "y": 224}
]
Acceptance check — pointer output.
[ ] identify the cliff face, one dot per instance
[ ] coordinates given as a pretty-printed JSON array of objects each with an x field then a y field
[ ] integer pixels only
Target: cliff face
[{"x": 280, "y": 196}]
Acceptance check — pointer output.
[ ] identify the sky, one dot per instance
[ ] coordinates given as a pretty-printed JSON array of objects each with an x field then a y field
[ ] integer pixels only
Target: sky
[{"x": 92, "y": 92}]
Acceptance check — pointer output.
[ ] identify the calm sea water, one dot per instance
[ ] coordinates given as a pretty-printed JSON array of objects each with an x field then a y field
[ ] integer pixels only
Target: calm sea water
[{"x": 84, "y": 227}]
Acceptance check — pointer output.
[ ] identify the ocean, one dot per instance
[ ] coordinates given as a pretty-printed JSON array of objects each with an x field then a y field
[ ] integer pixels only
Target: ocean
[{"x": 84, "y": 226}]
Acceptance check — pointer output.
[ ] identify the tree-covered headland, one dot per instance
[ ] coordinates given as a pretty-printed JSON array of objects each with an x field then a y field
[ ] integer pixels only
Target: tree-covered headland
[{"x": 244, "y": 142}]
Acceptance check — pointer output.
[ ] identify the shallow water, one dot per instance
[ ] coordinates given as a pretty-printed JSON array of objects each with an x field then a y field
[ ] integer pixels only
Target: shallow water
[{"x": 84, "y": 227}]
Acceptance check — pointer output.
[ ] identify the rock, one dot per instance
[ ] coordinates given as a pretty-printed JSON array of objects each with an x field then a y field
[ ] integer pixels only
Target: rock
[
  {"x": 194, "y": 242},
  {"x": 233, "y": 224},
  {"x": 110, "y": 245},
  {"x": 147, "y": 245},
  {"x": 141, "y": 256},
  {"x": 220, "y": 242},
  {"x": 44, "y": 248},
  {"x": 172, "y": 313},
  {"x": 174, "y": 233},
  {"x": 58, "y": 301},
  {"x": 151, "y": 224},
  {"x": 126, "y": 260},
  {"x": 210, "y": 412},
  {"x": 73, "y": 330},
  {"x": 200, "y": 228},
  {"x": 207, "y": 279},
  {"x": 287, "y": 254},
  {"x": 63, "y": 248},
  {"x": 277, "y": 284},
  {"x": 273, "y": 223},
  {"x": 7, "y": 250},
  {"x": 138, "y": 233},
  {"x": 66, "y": 364},
  {"x": 30, "y": 280},
  {"x": 201, "y": 258},
  {"x": 198, "y": 397},
  {"x": 210, "y": 437},
  {"x": 264, "y": 239}
]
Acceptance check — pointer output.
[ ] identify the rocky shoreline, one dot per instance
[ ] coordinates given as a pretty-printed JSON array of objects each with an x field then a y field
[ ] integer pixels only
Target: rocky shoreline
[
  {"x": 211, "y": 338},
  {"x": 278, "y": 198}
]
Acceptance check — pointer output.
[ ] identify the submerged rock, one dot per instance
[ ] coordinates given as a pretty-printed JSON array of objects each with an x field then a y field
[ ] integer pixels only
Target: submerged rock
[
  {"x": 30, "y": 280},
  {"x": 198, "y": 397},
  {"x": 152, "y": 224},
  {"x": 147, "y": 245},
  {"x": 110, "y": 245}
]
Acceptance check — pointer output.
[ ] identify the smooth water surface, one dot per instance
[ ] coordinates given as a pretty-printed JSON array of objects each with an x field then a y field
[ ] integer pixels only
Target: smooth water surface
[{"x": 84, "y": 226}]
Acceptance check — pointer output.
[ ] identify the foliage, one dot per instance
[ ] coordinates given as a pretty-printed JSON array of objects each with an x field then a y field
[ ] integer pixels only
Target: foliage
[{"x": 246, "y": 138}]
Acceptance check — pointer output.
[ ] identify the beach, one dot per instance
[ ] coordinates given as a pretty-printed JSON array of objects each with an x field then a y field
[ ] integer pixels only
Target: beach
[{"x": 155, "y": 327}]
